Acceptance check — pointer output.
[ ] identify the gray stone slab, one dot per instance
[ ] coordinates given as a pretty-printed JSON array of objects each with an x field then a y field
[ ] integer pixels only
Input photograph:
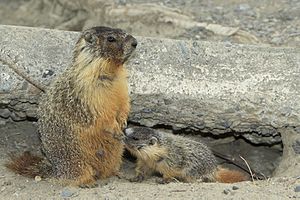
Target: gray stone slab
[{"x": 203, "y": 86}]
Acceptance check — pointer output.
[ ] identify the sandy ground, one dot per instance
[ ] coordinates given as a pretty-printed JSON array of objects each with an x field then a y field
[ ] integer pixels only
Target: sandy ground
[
  {"x": 17, "y": 137},
  {"x": 15, "y": 187}
]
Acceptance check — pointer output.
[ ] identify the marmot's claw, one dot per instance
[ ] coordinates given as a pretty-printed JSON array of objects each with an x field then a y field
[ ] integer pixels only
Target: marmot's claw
[
  {"x": 138, "y": 178},
  {"x": 163, "y": 181},
  {"x": 120, "y": 175},
  {"x": 119, "y": 137},
  {"x": 122, "y": 122},
  {"x": 85, "y": 186},
  {"x": 124, "y": 125}
]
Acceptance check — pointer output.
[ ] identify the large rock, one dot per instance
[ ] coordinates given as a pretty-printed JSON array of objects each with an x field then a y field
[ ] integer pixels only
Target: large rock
[{"x": 217, "y": 88}]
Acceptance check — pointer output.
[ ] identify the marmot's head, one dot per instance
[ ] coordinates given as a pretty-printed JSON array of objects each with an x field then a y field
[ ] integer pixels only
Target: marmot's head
[
  {"x": 106, "y": 43},
  {"x": 143, "y": 142}
]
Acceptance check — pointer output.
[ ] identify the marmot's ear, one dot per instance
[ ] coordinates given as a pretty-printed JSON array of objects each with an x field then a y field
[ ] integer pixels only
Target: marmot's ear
[
  {"x": 90, "y": 38},
  {"x": 153, "y": 141}
]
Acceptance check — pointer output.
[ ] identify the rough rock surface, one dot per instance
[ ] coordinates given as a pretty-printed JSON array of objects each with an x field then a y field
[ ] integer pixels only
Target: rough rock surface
[
  {"x": 273, "y": 22},
  {"x": 209, "y": 87}
]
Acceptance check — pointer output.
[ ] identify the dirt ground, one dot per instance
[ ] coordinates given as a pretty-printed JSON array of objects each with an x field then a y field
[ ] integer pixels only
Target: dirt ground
[
  {"x": 20, "y": 136},
  {"x": 273, "y": 22}
]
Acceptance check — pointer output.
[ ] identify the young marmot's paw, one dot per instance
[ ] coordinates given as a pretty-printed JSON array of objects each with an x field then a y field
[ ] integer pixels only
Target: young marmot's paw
[
  {"x": 119, "y": 175},
  {"x": 165, "y": 180},
  {"x": 139, "y": 178},
  {"x": 86, "y": 186}
]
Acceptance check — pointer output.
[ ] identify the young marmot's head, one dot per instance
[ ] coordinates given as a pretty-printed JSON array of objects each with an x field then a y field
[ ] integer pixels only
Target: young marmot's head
[
  {"x": 143, "y": 142},
  {"x": 106, "y": 43}
]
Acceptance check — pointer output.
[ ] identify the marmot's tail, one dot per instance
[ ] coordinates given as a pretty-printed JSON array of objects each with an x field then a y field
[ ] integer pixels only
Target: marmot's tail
[
  {"x": 29, "y": 165},
  {"x": 224, "y": 175}
]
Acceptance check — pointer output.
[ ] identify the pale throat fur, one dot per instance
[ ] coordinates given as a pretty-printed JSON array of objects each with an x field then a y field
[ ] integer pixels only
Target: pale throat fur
[{"x": 97, "y": 78}]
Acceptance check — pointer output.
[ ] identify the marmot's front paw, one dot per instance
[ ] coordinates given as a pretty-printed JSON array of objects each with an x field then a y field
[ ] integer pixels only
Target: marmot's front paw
[
  {"x": 122, "y": 122},
  {"x": 85, "y": 186},
  {"x": 114, "y": 128},
  {"x": 124, "y": 125},
  {"x": 164, "y": 180},
  {"x": 138, "y": 178},
  {"x": 120, "y": 175}
]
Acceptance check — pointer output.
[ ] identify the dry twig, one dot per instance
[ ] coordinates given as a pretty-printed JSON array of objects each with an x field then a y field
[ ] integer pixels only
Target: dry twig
[
  {"x": 252, "y": 177},
  {"x": 22, "y": 74}
]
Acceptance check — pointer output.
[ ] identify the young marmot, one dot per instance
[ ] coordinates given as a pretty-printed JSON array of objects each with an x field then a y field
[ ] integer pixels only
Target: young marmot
[
  {"x": 175, "y": 157},
  {"x": 83, "y": 112}
]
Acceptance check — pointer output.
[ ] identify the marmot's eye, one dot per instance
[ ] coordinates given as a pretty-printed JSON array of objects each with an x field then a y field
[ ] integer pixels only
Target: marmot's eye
[
  {"x": 135, "y": 138},
  {"x": 111, "y": 39}
]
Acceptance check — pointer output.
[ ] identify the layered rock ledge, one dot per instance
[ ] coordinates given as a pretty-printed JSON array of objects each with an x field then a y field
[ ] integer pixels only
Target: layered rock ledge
[{"x": 216, "y": 88}]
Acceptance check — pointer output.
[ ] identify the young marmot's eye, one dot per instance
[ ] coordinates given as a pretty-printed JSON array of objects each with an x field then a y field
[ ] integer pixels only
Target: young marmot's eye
[
  {"x": 135, "y": 138},
  {"x": 111, "y": 39}
]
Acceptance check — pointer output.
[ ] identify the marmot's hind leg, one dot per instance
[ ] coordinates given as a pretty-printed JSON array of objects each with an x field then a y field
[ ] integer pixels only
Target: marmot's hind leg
[
  {"x": 79, "y": 174},
  {"x": 87, "y": 179},
  {"x": 192, "y": 174}
]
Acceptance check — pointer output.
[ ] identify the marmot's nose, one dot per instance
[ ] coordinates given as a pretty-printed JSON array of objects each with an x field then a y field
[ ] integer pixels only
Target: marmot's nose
[{"x": 134, "y": 43}]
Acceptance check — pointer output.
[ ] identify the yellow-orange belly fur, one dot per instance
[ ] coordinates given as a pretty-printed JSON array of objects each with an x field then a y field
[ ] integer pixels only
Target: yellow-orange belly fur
[
  {"x": 101, "y": 153},
  {"x": 100, "y": 143}
]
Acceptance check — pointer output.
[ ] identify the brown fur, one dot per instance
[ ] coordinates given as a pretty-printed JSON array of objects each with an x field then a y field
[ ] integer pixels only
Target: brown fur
[
  {"x": 223, "y": 175},
  {"x": 28, "y": 165},
  {"x": 23, "y": 164},
  {"x": 83, "y": 112},
  {"x": 175, "y": 157},
  {"x": 107, "y": 129},
  {"x": 147, "y": 162}
]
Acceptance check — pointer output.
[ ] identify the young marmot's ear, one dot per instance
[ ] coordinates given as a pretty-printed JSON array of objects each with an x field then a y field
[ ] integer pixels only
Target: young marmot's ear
[
  {"x": 90, "y": 38},
  {"x": 153, "y": 141}
]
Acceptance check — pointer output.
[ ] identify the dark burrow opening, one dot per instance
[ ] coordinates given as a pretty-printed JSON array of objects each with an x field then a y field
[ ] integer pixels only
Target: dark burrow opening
[
  {"x": 262, "y": 158},
  {"x": 234, "y": 150}
]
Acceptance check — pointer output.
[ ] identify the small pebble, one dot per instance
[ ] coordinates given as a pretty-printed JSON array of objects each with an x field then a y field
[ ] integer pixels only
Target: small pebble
[
  {"x": 235, "y": 187},
  {"x": 242, "y": 7},
  {"x": 297, "y": 188},
  {"x": 37, "y": 178},
  {"x": 67, "y": 193},
  {"x": 226, "y": 191},
  {"x": 47, "y": 73},
  {"x": 112, "y": 188},
  {"x": 7, "y": 183},
  {"x": 2, "y": 189}
]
